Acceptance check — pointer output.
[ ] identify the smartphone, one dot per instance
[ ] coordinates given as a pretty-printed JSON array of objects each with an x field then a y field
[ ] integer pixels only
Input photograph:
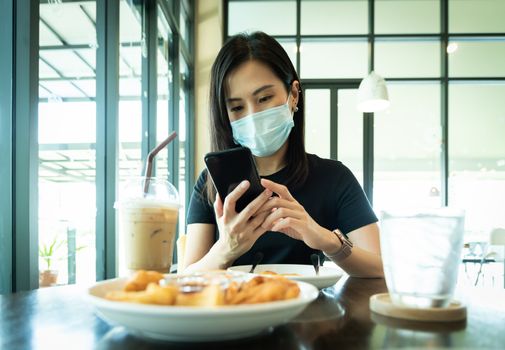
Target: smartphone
[{"x": 229, "y": 168}]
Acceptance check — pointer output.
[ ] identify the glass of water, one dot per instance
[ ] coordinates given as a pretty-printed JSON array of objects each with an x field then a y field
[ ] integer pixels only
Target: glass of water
[{"x": 421, "y": 252}]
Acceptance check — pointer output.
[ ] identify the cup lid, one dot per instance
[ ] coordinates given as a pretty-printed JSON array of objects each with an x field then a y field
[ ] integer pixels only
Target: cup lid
[{"x": 160, "y": 192}]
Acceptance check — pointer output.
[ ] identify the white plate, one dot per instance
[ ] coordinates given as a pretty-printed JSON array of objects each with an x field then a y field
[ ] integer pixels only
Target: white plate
[
  {"x": 184, "y": 323},
  {"x": 327, "y": 276}
]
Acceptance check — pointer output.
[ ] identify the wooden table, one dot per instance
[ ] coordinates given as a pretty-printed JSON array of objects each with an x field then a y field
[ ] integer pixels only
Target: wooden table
[{"x": 59, "y": 318}]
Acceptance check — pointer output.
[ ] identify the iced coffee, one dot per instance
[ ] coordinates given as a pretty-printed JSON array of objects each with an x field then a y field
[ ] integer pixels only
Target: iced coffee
[{"x": 147, "y": 224}]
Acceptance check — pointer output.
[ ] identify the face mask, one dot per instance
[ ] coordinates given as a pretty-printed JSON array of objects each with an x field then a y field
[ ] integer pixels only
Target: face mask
[{"x": 264, "y": 132}]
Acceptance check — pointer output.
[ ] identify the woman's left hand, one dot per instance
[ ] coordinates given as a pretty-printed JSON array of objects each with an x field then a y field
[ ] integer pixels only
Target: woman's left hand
[{"x": 289, "y": 217}]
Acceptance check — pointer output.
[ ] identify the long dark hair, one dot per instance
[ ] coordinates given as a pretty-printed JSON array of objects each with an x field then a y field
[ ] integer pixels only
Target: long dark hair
[{"x": 238, "y": 49}]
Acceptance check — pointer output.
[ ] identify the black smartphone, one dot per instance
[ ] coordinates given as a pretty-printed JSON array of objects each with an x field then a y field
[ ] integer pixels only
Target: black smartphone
[{"x": 229, "y": 168}]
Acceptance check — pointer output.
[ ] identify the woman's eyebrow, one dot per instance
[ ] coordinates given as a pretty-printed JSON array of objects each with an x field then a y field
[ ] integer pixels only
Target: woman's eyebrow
[{"x": 255, "y": 92}]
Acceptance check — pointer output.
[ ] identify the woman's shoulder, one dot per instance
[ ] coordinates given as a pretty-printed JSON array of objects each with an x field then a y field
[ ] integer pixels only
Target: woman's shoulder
[
  {"x": 201, "y": 181},
  {"x": 328, "y": 170},
  {"x": 328, "y": 165}
]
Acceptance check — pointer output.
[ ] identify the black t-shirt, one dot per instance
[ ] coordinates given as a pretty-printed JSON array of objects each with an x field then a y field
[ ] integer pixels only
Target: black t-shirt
[{"x": 331, "y": 195}]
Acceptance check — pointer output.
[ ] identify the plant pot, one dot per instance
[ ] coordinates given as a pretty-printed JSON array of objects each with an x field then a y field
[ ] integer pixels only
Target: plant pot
[{"x": 48, "y": 278}]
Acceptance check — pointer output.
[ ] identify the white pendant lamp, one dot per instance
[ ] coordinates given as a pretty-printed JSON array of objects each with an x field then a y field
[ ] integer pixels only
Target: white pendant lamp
[{"x": 373, "y": 94}]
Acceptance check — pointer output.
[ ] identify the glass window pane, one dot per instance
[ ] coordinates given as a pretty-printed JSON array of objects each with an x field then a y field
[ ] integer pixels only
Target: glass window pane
[
  {"x": 67, "y": 143},
  {"x": 407, "y": 16},
  {"x": 290, "y": 46},
  {"x": 334, "y": 17},
  {"x": 476, "y": 16},
  {"x": 400, "y": 58},
  {"x": 70, "y": 21},
  {"x": 474, "y": 58},
  {"x": 164, "y": 82},
  {"x": 477, "y": 154},
  {"x": 130, "y": 105},
  {"x": 130, "y": 60},
  {"x": 271, "y": 17},
  {"x": 184, "y": 26},
  {"x": 318, "y": 122},
  {"x": 46, "y": 72},
  {"x": 350, "y": 133},
  {"x": 67, "y": 62},
  {"x": 63, "y": 89},
  {"x": 183, "y": 109},
  {"x": 46, "y": 37},
  {"x": 407, "y": 148},
  {"x": 333, "y": 59}
]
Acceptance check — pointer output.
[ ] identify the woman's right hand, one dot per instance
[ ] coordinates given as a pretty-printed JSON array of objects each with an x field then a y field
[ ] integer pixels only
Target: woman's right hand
[{"x": 239, "y": 231}]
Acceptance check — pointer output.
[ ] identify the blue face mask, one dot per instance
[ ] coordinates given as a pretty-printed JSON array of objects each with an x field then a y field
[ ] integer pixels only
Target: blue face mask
[{"x": 264, "y": 132}]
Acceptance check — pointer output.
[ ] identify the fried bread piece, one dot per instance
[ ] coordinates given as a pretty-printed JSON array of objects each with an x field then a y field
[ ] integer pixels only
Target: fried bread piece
[
  {"x": 141, "y": 279},
  {"x": 154, "y": 294},
  {"x": 210, "y": 295},
  {"x": 263, "y": 289}
]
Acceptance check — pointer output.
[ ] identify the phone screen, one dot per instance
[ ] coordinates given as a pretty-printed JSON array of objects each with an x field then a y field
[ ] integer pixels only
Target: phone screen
[{"x": 229, "y": 168}]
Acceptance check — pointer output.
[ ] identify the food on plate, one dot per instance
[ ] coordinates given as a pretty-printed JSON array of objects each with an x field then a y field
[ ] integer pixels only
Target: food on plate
[
  {"x": 212, "y": 289},
  {"x": 261, "y": 290},
  {"x": 153, "y": 294},
  {"x": 210, "y": 295},
  {"x": 280, "y": 274},
  {"x": 141, "y": 279}
]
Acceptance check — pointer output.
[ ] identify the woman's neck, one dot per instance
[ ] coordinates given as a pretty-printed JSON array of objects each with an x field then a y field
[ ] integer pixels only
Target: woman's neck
[{"x": 272, "y": 164}]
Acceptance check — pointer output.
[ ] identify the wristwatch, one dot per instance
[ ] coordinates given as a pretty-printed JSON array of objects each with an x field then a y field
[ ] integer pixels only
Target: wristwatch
[{"x": 344, "y": 251}]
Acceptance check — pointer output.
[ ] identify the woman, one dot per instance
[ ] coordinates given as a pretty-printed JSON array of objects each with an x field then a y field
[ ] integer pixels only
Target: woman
[{"x": 256, "y": 102}]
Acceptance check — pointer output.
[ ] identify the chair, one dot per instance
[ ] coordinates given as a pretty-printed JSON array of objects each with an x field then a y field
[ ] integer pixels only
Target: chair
[{"x": 496, "y": 238}]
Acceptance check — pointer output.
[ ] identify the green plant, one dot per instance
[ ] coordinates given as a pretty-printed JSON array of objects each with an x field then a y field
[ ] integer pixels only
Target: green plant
[
  {"x": 51, "y": 252},
  {"x": 48, "y": 251}
]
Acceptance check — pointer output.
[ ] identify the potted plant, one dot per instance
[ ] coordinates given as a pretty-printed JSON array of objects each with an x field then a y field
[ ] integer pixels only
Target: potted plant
[{"x": 48, "y": 252}]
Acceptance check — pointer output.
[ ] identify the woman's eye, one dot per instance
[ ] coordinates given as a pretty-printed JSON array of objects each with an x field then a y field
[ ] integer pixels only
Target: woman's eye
[
  {"x": 265, "y": 98},
  {"x": 236, "y": 109}
]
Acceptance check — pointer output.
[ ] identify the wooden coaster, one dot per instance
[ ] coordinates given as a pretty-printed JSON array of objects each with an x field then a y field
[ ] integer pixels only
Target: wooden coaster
[{"x": 381, "y": 304}]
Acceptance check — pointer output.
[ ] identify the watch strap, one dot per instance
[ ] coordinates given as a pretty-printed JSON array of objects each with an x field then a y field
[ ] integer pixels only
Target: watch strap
[{"x": 344, "y": 251}]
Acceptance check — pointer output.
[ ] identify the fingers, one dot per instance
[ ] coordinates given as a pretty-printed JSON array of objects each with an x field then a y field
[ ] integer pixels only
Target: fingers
[
  {"x": 286, "y": 223},
  {"x": 231, "y": 199},
  {"x": 279, "y": 214},
  {"x": 218, "y": 206},
  {"x": 276, "y": 202},
  {"x": 253, "y": 207},
  {"x": 258, "y": 220},
  {"x": 281, "y": 190}
]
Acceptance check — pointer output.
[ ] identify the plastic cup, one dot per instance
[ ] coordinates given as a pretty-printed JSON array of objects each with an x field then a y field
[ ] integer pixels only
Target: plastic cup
[
  {"x": 421, "y": 252},
  {"x": 147, "y": 223}
]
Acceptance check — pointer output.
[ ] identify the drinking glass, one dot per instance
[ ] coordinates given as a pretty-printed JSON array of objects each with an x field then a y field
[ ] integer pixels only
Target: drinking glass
[{"x": 421, "y": 253}]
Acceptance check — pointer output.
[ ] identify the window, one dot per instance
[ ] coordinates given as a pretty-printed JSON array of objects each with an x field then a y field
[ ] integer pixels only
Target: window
[
  {"x": 264, "y": 15},
  {"x": 350, "y": 133},
  {"x": 477, "y": 153},
  {"x": 476, "y": 16},
  {"x": 326, "y": 58},
  {"x": 317, "y": 130},
  {"x": 407, "y": 148},
  {"x": 67, "y": 139},
  {"x": 69, "y": 135},
  {"x": 334, "y": 17},
  {"x": 183, "y": 140},
  {"x": 407, "y": 16},
  {"x": 489, "y": 51},
  {"x": 396, "y": 58},
  {"x": 165, "y": 76}
]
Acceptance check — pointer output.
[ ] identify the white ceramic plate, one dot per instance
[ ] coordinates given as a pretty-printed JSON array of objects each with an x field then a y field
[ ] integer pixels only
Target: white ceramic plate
[
  {"x": 183, "y": 323},
  {"x": 327, "y": 276}
]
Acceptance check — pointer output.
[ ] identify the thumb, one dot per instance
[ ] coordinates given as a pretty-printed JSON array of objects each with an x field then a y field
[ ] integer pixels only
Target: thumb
[{"x": 218, "y": 206}]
